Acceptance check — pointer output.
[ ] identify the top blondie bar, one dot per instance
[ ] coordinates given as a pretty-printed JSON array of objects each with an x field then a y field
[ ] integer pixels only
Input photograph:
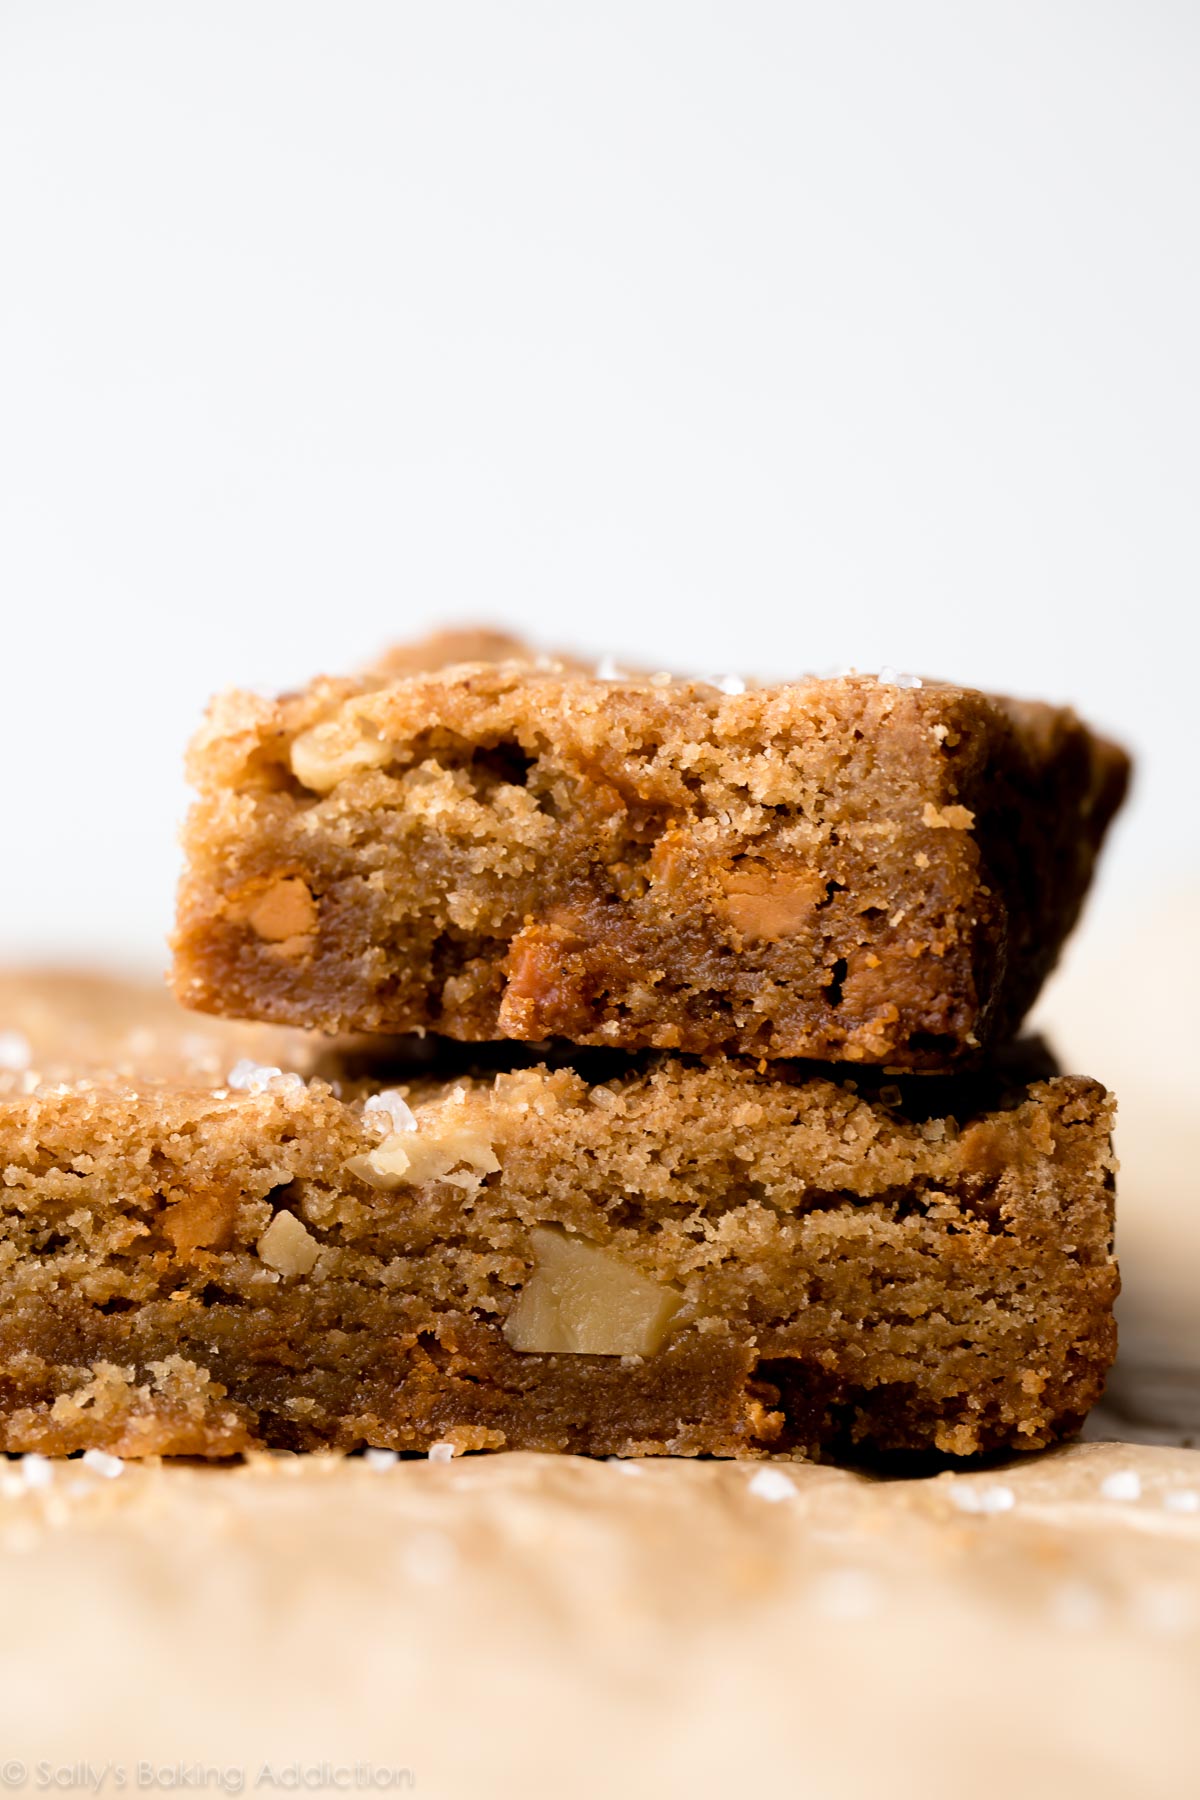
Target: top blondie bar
[{"x": 486, "y": 843}]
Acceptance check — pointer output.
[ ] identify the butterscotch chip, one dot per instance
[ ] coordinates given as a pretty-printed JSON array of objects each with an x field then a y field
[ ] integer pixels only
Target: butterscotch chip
[
  {"x": 676, "y": 1255},
  {"x": 508, "y": 846},
  {"x": 765, "y": 904},
  {"x": 284, "y": 910}
]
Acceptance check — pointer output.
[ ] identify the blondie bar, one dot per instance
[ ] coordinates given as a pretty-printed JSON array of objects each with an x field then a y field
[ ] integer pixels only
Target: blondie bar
[
  {"x": 845, "y": 869},
  {"x": 629, "y": 1256}
]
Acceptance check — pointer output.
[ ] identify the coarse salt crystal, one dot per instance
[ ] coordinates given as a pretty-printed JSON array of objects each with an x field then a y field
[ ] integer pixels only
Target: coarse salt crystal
[
  {"x": 381, "y": 1459},
  {"x": 846, "y": 1594},
  {"x": 287, "y": 1084},
  {"x": 607, "y": 670},
  {"x": 248, "y": 1077},
  {"x": 1077, "y": 1607},
  {"x": 1163, "y": 1608},
  {"x": 1182, "y": 1500},
  {"x": 15, "y": 1051},
  {"x": 622, "y": 1467},
  {"x": 1122, "y": 1484},
  {"x": 101, "y": 1463},
  {"x": 441, "y": 1452},
  {"x": 390, "y": 1104},
  {"x": 429, "y": 1558},
  {"x": 989, "y": 1500},
  {"x": 37, "y": 1471},
  {"x": 729, "y": 684},
  {"x": 772, "y": 1484}
]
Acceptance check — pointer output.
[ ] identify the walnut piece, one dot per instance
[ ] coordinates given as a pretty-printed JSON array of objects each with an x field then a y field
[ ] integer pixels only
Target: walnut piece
[
  {"x": 583, "y": 1300},
  {"x": 286, "y": 1245},
  {"x": 433, "y": 1150},
  {"x": 341, "y": 746}
]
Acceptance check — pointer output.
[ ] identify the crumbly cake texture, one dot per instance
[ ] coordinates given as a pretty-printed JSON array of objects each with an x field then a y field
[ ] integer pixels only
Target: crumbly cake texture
[
  {"x": 680, "y": 1257},
  {"x": 488, "y": 844}
]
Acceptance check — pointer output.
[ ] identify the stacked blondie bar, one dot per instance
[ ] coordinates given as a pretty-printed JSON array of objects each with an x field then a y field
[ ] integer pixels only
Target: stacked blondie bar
[{"x": 634, "y": 1072}]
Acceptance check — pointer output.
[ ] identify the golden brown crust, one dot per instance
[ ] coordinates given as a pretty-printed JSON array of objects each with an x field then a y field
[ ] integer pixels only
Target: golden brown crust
[
  {"x": 196, "y": 1267},
  {"x": 841, "y": 869}
]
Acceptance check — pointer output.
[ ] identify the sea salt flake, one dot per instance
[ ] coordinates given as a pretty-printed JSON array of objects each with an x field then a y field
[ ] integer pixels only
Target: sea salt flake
[
  {"x": 622, "y": 1467},
  {"x": 729, "y": 684},
  {"x": 381, "y": 1459},
  {"x": 101, "y": 1463},
  {"x": 1122, "y": 1484},
  {"x": 16, "y": 1053},
  {"x": 441, "y": 1452},
  {"x": 772, "y": 1484},
  {"x": 1182, "y": 1500},
  {"x": 607, "y": 670}
]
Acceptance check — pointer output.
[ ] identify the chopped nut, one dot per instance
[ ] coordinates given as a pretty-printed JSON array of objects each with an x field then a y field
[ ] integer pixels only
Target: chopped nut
[
  {"x": 287, "y": 1246},
  {"x": 327, "y": 753},
  {"x": 409, "y": 1157},
  {"x": 584, "y": 1300},
  {"x": 947, "y": 818},
  {"x": 763, "y": 903}
]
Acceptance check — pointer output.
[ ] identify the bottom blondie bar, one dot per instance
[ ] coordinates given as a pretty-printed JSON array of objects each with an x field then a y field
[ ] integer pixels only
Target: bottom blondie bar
[{"x": 615, "y": 1256}]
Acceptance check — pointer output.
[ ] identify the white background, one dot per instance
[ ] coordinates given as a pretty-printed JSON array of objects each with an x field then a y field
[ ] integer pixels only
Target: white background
[{"x": 751, "y": 336}]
